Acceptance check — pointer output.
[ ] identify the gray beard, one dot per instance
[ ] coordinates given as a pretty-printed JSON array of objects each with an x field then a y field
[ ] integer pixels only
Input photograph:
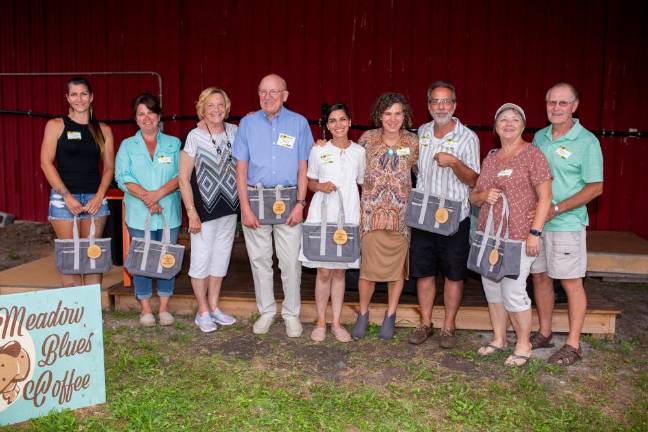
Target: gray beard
[{"x": 442, "y": 121}]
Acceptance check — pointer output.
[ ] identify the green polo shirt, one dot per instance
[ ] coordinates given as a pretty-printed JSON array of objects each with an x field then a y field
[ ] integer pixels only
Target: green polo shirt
[{"x": 575, "y": 160}]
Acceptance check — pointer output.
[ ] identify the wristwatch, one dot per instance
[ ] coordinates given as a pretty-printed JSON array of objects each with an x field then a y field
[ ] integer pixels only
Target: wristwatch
[
  {"x": 535, "y": 232},
  {"x": 302, "y": 202}
]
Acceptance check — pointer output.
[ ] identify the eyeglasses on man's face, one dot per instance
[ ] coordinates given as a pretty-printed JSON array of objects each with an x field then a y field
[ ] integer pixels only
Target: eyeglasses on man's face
[
  {"x": 561, "y": 104},
  {"x": 438, "y": 102},
  {"x": 272, "y": 92}
]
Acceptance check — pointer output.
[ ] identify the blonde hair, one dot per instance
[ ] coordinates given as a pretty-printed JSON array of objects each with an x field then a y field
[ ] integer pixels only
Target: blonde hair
[{"x": 205, "y": 94}]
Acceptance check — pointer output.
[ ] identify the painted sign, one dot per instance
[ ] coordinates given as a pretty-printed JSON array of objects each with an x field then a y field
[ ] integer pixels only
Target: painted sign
[{"x": 51, "y": 352}]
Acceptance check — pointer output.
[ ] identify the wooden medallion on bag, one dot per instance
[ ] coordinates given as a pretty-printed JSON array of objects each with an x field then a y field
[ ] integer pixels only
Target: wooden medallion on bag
[
  {"x": 279, "y": 207},
  {"x": 340, "y": 237},
  {"x": 167, "y": 261},
  {"x": 493, "y": 257},
  {"x": 94, "y": 251},
  {"x": 441, "y": 215}
]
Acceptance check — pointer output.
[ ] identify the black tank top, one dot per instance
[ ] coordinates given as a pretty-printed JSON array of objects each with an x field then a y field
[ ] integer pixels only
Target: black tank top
[{"x": 77, "y": 158}]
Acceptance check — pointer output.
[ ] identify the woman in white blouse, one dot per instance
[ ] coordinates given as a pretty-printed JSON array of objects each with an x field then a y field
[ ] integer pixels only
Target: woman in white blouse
[{"x": 338, "y": 165}]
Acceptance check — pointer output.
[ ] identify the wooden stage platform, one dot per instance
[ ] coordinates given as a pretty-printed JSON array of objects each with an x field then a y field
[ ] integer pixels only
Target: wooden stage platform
[{"x": 613, "y": 255}]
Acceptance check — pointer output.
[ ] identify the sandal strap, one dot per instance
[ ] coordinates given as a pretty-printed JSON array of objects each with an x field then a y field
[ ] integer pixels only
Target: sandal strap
[
  {"x": 566, "y": 355},
  {"x": 538, "y": 340}
]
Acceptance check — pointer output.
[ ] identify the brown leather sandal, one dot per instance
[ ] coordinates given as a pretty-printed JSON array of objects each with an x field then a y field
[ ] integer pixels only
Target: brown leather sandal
[
  {"x": 566, "y": 356},
  {"x": 538, "y": 340}
]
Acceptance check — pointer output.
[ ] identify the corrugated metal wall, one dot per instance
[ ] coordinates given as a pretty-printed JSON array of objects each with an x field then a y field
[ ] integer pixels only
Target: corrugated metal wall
[{"x": 328, "y": 51}]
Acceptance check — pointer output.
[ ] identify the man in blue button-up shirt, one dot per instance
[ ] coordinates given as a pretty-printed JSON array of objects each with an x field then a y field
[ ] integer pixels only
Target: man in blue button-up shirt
[{"x": 272, "y": 148}]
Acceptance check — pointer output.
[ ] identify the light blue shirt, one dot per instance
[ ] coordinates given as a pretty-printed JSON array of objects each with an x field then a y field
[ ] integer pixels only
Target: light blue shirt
[
  {"x": 273, "y": 148},
  {"x": 133, "y": 164}
]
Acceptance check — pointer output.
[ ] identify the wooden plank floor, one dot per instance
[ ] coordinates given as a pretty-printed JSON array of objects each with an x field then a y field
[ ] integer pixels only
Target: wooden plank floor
[{"x": 237, "y": 297}]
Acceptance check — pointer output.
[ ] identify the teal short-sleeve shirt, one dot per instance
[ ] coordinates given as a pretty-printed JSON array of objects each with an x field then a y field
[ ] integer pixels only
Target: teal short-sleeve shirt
[{"x": 575, "y": 159}]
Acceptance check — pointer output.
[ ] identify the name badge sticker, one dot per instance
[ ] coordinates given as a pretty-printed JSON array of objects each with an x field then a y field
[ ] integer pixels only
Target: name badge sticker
[
  {"x": 162, "y": 159},
  {"x": 563, "y": 152},
  {"x": 74, "y": 135},
  {"x": 425, "y": 140},
  {"x": 403, "y": 151},
  {"x": 286, "y": 141},
  {"x": 505, "y": 173}
]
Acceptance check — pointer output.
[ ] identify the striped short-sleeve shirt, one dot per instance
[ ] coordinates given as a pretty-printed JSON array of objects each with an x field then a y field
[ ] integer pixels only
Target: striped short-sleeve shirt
[{"x": 462, "y": 143}]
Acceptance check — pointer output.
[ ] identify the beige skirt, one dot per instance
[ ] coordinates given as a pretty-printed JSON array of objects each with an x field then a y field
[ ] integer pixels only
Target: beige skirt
[{"x": 384, "y": 256}]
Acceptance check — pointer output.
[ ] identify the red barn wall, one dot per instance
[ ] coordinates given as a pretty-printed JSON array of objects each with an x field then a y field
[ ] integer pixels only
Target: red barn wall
[{"x": 350, "y": 51}]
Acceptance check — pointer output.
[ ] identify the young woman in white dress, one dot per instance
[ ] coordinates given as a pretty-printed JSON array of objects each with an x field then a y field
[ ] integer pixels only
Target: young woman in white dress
[{"x": 337, "y": 165}]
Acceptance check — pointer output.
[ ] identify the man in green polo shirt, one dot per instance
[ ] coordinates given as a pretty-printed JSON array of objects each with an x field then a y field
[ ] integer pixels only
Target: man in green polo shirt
[{"x": 574, "y": 155}]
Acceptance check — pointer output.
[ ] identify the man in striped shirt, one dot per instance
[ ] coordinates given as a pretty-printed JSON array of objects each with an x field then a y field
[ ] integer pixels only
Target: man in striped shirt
[{"x": 449, "y": 161}]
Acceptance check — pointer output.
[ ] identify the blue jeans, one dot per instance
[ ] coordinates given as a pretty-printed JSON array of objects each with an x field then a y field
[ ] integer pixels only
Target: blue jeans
[{"x": 144, "y": 285}]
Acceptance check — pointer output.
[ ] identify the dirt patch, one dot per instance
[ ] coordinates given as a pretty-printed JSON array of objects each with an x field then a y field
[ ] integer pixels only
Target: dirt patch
[{"x": 23, "y": 241}]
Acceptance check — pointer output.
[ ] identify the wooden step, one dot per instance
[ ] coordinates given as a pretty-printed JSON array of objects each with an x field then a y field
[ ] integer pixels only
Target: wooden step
[
  {"x": 473, "y": 314},
  {"x": 617, "y": 255}
]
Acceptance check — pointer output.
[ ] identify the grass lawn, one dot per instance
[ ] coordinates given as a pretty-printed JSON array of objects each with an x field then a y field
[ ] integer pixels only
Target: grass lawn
[{"x": 167, "y": 379}]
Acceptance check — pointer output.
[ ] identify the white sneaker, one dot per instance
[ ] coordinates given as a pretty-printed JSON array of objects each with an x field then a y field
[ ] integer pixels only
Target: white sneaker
[
  {"x": 293, "y": 327},
  {"x": 205, "y": 323},
  {"x": 262, "y": 325},
  {"x": 220, "y": 317}
]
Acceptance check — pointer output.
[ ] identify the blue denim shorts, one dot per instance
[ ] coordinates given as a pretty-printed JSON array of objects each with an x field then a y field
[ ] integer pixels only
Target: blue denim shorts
[{"x": 59, "y": 211}]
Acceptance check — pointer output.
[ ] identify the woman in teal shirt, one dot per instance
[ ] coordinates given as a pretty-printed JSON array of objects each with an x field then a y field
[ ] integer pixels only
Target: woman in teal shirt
[{"x": 146, "y": 169}]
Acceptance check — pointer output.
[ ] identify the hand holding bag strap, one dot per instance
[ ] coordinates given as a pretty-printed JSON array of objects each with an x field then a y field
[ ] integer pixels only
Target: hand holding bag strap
[
  {"x": 259, "y": 190},
  {"x": 77, "y": 243}
]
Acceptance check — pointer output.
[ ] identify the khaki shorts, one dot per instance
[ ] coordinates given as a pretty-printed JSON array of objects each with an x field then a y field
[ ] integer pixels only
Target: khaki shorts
[{"x": 562, "y": 255}]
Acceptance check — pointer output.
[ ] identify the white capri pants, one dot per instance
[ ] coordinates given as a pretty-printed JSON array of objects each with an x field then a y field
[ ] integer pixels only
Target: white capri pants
[
  {"x": 211, "y": 248},
  {"x": 511, "y": 292}
]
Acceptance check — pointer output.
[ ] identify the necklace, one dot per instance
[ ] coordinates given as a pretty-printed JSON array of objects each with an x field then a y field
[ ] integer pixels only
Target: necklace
[{"x": 227, "y": 142}]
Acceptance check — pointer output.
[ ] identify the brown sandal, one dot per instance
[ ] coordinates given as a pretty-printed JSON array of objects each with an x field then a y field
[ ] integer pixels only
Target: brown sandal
[
  {"x": 566, "y": 356},
  {"x": 538, "y": 340}
]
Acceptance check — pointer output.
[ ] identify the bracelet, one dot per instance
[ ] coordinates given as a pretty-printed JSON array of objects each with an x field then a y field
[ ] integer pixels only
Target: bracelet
[
  {"x": 302, "y": 202},
  {"x": 556, "y": 209},
  {"x": 190, "y": 209}
]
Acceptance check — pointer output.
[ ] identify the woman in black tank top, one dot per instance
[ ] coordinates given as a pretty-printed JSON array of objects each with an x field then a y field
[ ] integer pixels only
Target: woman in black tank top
[{"x": 73, "y": 149}]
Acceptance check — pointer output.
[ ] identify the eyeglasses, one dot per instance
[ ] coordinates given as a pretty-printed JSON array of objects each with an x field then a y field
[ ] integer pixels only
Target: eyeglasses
[
  {"x": 272, "y": 92},
  {"x": 442, "y": 101},
  {"x": 561, "y": 104}
]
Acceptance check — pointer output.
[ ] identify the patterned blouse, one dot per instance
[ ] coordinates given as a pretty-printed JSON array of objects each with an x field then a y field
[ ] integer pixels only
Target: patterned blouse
[
  {"x": 387, "y": 182},
  {"x": 517, "y": 178}
]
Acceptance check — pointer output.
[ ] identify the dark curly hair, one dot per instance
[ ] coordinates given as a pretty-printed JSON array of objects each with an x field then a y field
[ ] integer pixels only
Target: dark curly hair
[{"x": 384, "y": 102}]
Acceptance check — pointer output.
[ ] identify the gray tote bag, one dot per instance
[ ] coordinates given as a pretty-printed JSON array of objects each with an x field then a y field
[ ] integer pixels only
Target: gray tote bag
[
  {"x": 320, "y": 241},
  {"x": 83, "y": 255},
  {"x": 273, "y": 205},
  {"x": 432, "y": 213},
  {"x": 492, "y": 254},
  {"x": 155, "y": 259}
]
